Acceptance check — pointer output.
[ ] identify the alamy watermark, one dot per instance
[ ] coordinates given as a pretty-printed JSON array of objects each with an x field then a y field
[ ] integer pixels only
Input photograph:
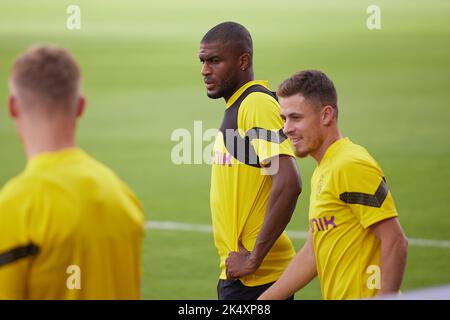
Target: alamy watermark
[
  {"x": 73, "y": 281},
  {"x": 374, "y": 280},
  {"x": 73, "y": 22},
  {"x": 227, "y": 148},
  {"x": 374, "y": 19}
]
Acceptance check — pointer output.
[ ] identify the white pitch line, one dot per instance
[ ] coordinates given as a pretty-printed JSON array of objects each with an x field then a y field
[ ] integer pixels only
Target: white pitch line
[
  {"x": 170, "y": 225},
  {"x": 429, "y": 243},
  {"x": 180, "y": 226}
]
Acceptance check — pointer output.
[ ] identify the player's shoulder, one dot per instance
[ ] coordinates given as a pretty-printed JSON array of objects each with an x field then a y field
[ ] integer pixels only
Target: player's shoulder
[
  {"x": 18, "y": 193},
  {"x": 89, "y": 167},
  {"x": 260, "y": 101},
  {"x": 98, "y": 168},
  {"x": 17, "y": 187},
  {"x": 354, "y": 157},
  {"x": 106, "y": 176},
  {"x": 109, "y": 178}
]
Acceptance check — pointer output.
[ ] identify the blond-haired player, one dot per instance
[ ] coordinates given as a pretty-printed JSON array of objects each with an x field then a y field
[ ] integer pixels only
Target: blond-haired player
[{"x": 69, "y": 227}]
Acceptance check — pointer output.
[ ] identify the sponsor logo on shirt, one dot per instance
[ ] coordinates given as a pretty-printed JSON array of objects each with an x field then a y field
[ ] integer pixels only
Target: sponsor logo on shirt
[
  {"x": 222, "y": 158},
  {"x": 322, "y": 224}
]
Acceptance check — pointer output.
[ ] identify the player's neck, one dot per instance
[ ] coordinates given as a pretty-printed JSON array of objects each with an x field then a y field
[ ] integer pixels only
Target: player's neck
[
  {"x": 247, "y": 77},
  {"x": 333, "y": 136},
  {"x": 48, "y": 138}
]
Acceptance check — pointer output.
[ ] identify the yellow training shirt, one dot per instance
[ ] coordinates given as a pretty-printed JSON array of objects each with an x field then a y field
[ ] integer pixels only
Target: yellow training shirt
[
  {"x": 69, "y": 229},
  {"x": 348, "y": 195},
  {"x": 239, "y": 189}
]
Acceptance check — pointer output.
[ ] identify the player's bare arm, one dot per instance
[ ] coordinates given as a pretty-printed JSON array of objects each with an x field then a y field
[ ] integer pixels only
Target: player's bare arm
[
  {"x": 286, "y": 187},
  {"x": 394, "y": 247},
  {"x": 298, "y": 274}
]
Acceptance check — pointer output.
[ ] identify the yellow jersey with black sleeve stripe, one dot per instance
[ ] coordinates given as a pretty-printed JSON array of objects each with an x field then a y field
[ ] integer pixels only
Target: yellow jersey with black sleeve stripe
[
  {"x": 348, "y": 195},
  {"x": 69, "y": 229},
  {"x": 250, "y": 134}
]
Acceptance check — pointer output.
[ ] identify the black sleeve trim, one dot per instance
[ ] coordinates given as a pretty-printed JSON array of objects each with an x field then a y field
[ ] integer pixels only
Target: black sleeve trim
[
  {"x": 18, "y": 253},
  {"x": 375, "y": 200},
  {"x": 268, "y": 135}
]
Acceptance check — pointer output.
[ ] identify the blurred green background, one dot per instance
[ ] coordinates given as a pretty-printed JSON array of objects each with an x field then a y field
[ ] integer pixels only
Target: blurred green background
[{"x": 141, "y": 75}]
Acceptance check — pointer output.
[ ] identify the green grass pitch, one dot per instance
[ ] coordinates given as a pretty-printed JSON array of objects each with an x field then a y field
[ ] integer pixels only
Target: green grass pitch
[{"x": 142, "y": 80}]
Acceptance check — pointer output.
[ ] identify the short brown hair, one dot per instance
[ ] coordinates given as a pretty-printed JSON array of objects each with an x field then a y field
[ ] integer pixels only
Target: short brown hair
[
  {"x": 314, "y": 85},
  {"x": 48, "y": 72}
]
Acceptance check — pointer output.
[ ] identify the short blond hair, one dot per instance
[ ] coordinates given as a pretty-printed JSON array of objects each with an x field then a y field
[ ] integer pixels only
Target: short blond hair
[{"x": 47, "y": 72}]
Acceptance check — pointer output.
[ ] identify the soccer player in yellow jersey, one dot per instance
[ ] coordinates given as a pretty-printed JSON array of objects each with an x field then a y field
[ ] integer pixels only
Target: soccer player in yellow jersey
[
  {"x": 254, "y": 183},
  {"x": 69, "y": 227},
  {"x": 355, "y": 242}
]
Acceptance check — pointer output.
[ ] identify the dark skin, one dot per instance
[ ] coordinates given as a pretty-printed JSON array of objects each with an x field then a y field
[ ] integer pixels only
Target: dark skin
[
  {"x": 286, "y": 187},
  {"x": 224, "y": 71}
]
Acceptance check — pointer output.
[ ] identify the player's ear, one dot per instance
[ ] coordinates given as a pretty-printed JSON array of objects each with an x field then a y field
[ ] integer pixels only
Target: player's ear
[
  {"x": 327, "y": 115},
  {"x": 245, "y": 61},
  {"x": 81, "y": 106},
  {"x": 12, "y": 107}
]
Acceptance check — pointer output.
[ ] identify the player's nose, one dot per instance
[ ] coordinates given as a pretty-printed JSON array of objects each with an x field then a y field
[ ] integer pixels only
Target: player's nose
[
  {"x": 206, "y": 70},
  {"x": 287, "y": 128}
]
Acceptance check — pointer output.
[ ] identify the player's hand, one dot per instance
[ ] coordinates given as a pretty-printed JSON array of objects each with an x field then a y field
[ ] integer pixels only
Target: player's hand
[{"x": 239, "y": 264}]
